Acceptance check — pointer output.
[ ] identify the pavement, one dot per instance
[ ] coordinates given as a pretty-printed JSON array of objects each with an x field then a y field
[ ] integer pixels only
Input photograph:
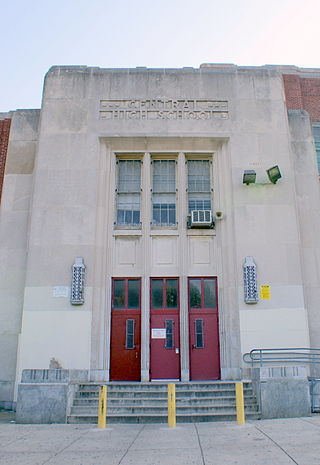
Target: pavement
[{"x": 261, "y": 442}]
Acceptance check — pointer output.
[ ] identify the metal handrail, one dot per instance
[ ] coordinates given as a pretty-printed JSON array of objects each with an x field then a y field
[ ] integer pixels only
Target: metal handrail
[{"x": 289, "y": 354}]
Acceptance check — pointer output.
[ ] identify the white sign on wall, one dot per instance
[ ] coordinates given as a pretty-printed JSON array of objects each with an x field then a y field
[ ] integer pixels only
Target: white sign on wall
[
  {"x": 60, "y": 291},
  {"x": 158, "y": 333}
]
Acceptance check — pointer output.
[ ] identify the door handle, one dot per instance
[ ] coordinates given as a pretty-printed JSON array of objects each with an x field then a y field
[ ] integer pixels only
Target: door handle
[{"x": 136, "y": 354}]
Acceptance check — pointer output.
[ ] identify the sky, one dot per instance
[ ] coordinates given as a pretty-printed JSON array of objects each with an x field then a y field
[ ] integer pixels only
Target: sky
[{"x": 37, "y": 34}]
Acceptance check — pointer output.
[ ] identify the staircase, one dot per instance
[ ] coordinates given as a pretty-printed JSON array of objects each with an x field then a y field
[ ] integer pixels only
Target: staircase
[{"x": 147, "y": 402}]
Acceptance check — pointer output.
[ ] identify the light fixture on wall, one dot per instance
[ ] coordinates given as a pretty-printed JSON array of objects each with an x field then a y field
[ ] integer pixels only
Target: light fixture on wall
[
  {"x": 274, "y": 174},
  {"x": 77, "y": 282},
  {"x": 250, "y": 281},
  {"x": 249, "y": 176}
]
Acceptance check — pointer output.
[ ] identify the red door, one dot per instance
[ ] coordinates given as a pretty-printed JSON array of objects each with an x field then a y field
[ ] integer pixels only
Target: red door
[
  {"x": 203, "y": 329},
  {"x": 164, "y": 329},
  {"x": 125, "y": 330}
]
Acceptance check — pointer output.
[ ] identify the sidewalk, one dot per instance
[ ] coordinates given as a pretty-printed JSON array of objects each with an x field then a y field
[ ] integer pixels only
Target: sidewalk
[{"x": 265, "y": 442}]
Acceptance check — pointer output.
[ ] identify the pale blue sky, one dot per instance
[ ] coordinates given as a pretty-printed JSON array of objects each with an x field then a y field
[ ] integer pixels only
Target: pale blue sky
[{"x": 37, "y": 34}]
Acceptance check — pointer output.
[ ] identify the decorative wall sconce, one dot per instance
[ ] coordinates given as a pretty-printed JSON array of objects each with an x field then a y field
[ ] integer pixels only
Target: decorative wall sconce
[
  {"x": 77, "y": 282},
  {"x": 249, "y": 176},
  {"x": 250, "y": 281}
]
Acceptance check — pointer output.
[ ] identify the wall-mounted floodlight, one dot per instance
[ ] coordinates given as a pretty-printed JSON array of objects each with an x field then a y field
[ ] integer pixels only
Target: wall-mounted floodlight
[
  {"x": 249, "y": 177},
  {"x": 274, "y": 174}
]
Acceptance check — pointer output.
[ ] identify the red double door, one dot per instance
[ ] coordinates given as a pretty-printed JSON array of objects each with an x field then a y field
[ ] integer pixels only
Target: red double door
[{"x": 125, "y": 364}]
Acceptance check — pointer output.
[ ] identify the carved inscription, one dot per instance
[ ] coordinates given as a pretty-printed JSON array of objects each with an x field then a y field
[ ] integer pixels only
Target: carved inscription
[{"x": 167, "y": 109}]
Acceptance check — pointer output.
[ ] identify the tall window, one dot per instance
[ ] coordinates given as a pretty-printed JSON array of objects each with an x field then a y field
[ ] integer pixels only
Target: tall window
[
  {"x": 128, "y": 192},
  {"x": 199, "y": 185},
  {"x": 164, "y": 193},
  {"x": 316, "y": 135}
]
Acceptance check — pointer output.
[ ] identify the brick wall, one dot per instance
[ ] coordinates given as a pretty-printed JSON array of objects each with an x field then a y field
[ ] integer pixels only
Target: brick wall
[
  {"x": 4, "y": 139},
  {"x": 303, "y": 94}
]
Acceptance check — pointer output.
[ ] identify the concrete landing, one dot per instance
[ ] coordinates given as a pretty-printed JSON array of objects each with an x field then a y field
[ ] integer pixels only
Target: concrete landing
[{"x": 265, "y": 442}]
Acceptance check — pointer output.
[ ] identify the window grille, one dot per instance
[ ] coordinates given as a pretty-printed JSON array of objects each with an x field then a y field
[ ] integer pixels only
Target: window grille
[
  {"x": 164, "y": 193},
  {"x": 128, "y": 192},
  {"x": 199, "y": 185}
]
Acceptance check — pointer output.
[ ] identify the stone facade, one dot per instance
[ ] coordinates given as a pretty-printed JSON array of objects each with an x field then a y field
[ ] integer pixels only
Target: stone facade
[{"x": 62, "y": 199}]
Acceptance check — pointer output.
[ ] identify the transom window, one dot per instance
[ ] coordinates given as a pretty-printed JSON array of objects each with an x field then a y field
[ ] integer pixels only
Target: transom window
[
  {"x": 164, "y": 293},
  {"x": 202, "y": 293},
  {"x": 128, "y": 192},
  {"x": 199, "y": 185},
  {"x": 126, "y": 294},
  {"x": 164, "y": 193}
]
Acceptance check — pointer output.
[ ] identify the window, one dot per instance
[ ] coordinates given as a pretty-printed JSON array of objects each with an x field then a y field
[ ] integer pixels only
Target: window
[
  {"x": 316, "y": 135},
  {"x": 169, "y": 334},
  {"x": 199, "y": 334},
  {"x": 202, "y": 293},
  {"x": 164, "y": 293},
  {"x": 130, "y": 334},
  {"x": 164, "y": 193},
  {"x": 128, "y": 192},
  {"x": 126, "y": 294},
  {"x": 199, "y": 185}
]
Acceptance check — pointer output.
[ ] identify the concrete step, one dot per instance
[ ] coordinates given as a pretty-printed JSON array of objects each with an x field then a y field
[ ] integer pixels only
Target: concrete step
[
  {"x": 224, "y": 400},
  {"x": 154, "y": 418},
  {"x": 155, "y": 386},
  {"x": 149, "y": 409},
  {"x": 163, "y": 393}
]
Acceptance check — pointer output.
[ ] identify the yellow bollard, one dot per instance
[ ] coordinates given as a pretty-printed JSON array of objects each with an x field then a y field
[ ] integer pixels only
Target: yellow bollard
[
  {"x": 240, "y": 403},
  {"x": 102, "y": 408},
  {"x": 171, "y": 405}
]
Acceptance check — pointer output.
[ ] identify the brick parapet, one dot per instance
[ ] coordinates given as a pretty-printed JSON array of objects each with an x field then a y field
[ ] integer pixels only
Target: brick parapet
[
  {"x": 4, "y": 140},
  {"x": 303, "y": 93}
]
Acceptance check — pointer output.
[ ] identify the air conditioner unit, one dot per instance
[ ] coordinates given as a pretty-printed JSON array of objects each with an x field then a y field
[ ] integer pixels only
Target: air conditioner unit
[{"x": 201, "y": 219}]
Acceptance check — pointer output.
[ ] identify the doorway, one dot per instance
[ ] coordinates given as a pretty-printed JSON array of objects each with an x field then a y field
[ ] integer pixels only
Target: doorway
[
  {"x": 164, "y": 329},
  {"x": 125, "y": 356},
  {"x": 203, "y": 329}
]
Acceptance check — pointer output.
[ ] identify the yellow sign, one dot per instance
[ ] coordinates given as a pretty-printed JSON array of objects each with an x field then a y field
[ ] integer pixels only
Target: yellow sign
[{"x": 265, "y": 292}]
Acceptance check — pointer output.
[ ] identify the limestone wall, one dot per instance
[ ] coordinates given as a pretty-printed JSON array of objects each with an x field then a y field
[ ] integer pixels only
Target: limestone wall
[{"x": 14, "y": 221}]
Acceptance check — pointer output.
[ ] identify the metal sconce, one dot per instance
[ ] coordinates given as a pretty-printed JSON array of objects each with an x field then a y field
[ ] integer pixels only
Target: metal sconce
[
  {"x": 274, "y": 174},
  {"x": 249, "y": 176},
  {"x": 77, "y": 282},
  {"x": 250, "y": 281}
]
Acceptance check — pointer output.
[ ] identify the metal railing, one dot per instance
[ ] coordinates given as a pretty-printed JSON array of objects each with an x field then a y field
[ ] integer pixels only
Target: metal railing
[
  {"x": 263, "y": 357},
  {"x": 289, "y": 356}
]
